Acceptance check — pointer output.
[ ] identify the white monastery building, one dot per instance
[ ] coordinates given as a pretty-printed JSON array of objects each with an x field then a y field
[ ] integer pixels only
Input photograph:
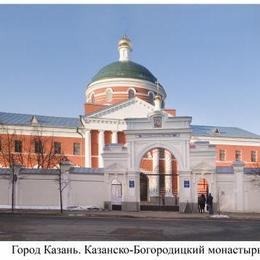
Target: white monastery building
[{"x": 128, "y": 151}]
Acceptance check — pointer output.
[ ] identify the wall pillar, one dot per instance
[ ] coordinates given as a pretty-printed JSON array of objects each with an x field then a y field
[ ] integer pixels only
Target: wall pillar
[
  {"x": 88, "y": 148},
  {"x": 154, "y": 179},
  {"x": 185, "y": 200},
  {"x": 65, "y": 184},
  {"x": 168, "y": 172},
  {"x": 101, "y": 143},
  {"x": 14, "y": 181},
  {"x": 238, "y": 167},
  {"x": 114, "y": 137}
]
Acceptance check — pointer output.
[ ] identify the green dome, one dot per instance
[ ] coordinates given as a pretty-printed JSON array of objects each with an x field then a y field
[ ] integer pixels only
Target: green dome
[{"x": 124, "y": 69}]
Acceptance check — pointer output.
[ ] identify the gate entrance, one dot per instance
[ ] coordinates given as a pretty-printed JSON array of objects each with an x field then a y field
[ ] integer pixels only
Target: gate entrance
[
  {"x": 116, "y": 193},
  {"x": 159, "y": 181},
  {"x": 143, "y": 187}
]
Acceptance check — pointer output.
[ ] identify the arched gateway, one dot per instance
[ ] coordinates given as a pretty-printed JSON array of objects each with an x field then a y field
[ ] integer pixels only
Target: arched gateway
[
  {"x": 159, "y": 148},
  {"x": 155, "y": 165},
  {"x": 158, "y": 180}
]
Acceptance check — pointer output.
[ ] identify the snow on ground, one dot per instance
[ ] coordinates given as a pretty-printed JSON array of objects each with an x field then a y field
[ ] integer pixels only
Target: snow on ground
[
  {"x": 219, "y": 216},
  {"x": 90, "y": 207}
]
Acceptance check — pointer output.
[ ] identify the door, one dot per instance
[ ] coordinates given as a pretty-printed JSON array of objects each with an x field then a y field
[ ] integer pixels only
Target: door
[{"x": 116, "y": 198}]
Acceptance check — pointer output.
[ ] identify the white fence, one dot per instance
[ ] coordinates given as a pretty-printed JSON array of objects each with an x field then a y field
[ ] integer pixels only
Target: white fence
[
  {"x": 239, "y": 191},
  {"x": 237, "y": 188},
  {"x": 39, "y": 188}
]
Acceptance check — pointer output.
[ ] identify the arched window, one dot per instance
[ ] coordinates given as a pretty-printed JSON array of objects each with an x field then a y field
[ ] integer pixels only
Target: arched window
[
  {"x": 131, "y": 93},
  {"x": 92, "y": 98},
  {"x": 109, "y": 94},
  {"x": 203, "y": 187},
  {"x": 151, "y": 97}
]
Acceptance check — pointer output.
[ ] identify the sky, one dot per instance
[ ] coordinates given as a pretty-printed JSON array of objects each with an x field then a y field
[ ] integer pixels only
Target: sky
[{"x": 207, "y": 57}]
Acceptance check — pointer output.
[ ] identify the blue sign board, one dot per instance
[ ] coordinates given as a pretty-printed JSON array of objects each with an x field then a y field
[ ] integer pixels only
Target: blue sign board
[
  {"x": 131, "y": 184},
  {"x": 186, "y": 184}
]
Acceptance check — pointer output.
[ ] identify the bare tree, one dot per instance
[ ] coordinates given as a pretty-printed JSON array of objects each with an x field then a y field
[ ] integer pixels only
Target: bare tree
[
  {"x": 45, "y": 154},
  {"x": 28, "y": 151},
  {"x": 35, "y": 150},
  {"x": 9, "y": 157},
  {"x": 48, "y": 157},
  {"x": 62, "y": 182}
]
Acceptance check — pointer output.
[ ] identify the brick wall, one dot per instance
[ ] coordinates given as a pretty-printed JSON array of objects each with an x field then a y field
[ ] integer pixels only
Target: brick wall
[{"x": 230, "y": 154}]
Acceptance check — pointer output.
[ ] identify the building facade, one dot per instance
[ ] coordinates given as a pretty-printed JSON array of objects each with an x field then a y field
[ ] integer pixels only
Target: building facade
[{"x": 166, "y": 161}]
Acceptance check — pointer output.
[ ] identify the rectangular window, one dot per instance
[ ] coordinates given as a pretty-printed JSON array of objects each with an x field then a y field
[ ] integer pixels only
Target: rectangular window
[
  {"x": 222, "y": 155},
  {"x": 238, "y": 155},
  {"x": 17, "y": 146},
  {"x": 38, "y": 148},
  {"x": 76, "y": 148},
  {"x": 0, "y": 145},
  {"x": 57, "y": 148},
  {"x": 253, "y": 156}
]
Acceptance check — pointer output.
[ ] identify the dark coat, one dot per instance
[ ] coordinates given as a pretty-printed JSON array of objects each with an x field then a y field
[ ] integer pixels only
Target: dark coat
[{"x": 210, "y": 200}]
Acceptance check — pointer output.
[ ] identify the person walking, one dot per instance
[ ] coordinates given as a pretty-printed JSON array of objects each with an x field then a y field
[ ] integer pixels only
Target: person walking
[
  {"x": 210, "y": 203},
  {"x": 201, "y": 203}
]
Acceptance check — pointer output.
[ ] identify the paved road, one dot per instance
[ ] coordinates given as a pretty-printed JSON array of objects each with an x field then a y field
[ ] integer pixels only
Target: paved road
[{"x": 40, "y": 227}]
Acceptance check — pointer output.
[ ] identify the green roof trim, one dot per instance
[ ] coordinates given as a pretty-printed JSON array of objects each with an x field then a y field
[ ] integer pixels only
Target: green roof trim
[{"x": 124, "y": 69}]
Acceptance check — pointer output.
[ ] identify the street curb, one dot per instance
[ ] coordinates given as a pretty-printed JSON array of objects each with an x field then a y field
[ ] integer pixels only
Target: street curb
[{"x": 107, "y": 214}]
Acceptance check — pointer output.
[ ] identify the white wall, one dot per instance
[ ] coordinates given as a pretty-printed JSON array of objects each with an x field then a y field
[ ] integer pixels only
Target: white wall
[
  {"x": 86, "y": 190},
  {"x": 228, "y": 197},
  {"x": 90, "y": 188},
  {"x": 5, "y": 191},
  {"x": 37, "y": 191},
  {"x": 226, "y": 192},
  {"x": 252, "y": 193}
]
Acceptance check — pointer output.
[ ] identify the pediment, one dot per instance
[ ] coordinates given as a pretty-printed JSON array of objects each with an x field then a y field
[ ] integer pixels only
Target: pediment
[{"x": 133, "y": 108}]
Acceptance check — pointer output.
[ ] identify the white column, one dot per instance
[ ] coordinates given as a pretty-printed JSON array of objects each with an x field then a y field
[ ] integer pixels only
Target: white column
[
  {"x": 88, "y": 148},
  {"x": 154, "y": 179},
  {"x": 114, "y": 137},
  {"x": 101, "y": 143},
  {"x": 168, "y": 172}
]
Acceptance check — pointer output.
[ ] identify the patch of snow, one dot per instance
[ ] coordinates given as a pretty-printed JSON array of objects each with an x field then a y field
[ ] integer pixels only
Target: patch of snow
[
  {"x": 84, "y": 208},
  {"x": 219, "y": 216}
]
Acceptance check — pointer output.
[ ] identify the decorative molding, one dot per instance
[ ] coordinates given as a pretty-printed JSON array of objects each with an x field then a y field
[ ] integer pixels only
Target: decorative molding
[
  {"x": 115, "y": 167},
  {"x": 156, "y": 135},
  {"x": 124, "y": 82}
]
